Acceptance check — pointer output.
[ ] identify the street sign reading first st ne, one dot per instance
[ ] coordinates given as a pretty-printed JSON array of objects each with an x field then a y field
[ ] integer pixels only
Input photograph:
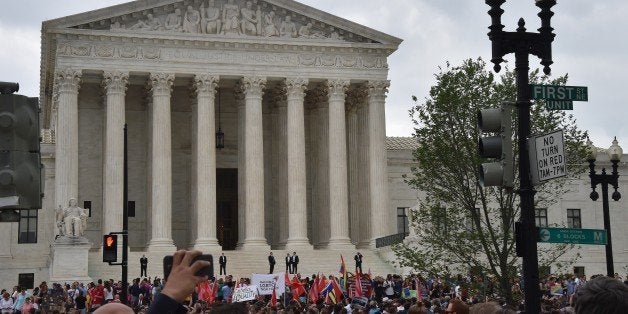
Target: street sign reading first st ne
[
  {"x": 572, "y": 235},
  {"x": 558, "y": 97}
]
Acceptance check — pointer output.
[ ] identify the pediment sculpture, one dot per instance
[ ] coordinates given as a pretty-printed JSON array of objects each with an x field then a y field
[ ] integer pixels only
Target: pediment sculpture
[{"x": 228, "y": 18}]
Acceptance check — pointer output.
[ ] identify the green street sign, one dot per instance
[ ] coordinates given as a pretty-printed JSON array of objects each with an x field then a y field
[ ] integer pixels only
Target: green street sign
[
  {"x": 559, "y": 92},
  {"x": 569, "y": 235},
  {"x": 559, "y": 105}
]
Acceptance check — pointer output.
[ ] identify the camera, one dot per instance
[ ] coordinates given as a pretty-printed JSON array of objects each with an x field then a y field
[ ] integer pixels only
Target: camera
[{"x": 205, "y": 271}]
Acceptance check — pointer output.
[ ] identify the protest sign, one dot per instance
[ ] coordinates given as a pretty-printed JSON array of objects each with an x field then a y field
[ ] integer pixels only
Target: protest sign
[
  {"x": 245, "y": 293},
  {"x": 266, "y": 282}
]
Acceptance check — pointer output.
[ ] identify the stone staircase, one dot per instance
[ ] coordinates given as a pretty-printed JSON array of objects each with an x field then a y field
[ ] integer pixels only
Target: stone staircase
[{"x": 244, "y": 263}]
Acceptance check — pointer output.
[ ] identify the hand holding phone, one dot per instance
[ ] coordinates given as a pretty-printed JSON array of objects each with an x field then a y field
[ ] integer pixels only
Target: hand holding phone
[{"x": 183, "y": 271}]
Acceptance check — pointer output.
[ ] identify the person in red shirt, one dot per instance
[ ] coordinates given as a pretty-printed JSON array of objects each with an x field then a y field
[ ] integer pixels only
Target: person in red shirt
[{"x": 97, "y": 295}]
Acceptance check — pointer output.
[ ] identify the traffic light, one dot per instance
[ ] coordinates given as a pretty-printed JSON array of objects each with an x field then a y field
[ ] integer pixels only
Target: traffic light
[
  {"x": 110, "y": 248},
  {"x": 20, "y": 161},
  {"x": 499, "y": 146}
]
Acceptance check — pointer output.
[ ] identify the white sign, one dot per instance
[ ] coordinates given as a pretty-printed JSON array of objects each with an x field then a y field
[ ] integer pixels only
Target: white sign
[
  {"x": 246, "y": 293},
  {"x": 547, "y": 157},
  {"x": 266, "y": 282}
]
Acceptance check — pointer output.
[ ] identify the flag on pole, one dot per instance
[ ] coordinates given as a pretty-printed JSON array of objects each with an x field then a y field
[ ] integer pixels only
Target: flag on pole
[
  {"x": 343, "y": 271},
  {"x": 273, "y": 298},
  {"x": 313, "y": 293},
  {"x": 336, "y": 293},
  {"x": 358, "y": 285}
]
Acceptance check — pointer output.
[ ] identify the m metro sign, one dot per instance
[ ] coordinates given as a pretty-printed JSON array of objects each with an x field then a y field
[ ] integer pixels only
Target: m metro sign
[
  {"x": 547, "y": 157},
  {"x": 571, "y": 235}
]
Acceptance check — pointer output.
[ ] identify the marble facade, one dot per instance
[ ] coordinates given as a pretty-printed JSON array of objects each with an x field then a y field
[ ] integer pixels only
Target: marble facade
[{"x": 299, "y": 94}]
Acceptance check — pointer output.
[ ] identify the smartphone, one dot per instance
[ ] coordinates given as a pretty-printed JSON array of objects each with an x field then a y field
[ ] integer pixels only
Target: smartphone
[{"x": 205, "y": 271}]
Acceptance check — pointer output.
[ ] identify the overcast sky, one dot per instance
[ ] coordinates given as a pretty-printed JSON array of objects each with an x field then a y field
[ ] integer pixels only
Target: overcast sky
[{"x": 591, "y": 45}]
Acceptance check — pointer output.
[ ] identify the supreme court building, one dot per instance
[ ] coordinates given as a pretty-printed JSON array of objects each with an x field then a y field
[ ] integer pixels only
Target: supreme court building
[{"x": 297, "y": 94}]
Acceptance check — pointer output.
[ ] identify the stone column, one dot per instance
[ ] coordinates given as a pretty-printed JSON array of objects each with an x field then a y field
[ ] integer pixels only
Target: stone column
[
  {"x": 161, "y": 165},
  {"x": 352, "y": 157},
  {"x": 254, "y": 164},
  {"x": 204, "y": 163},
  {"x": 321, "y": 189},
  {"x": 364, "y": 196},
  {"x": 381, "y": 214},
  {"x": 66, "y": 149},
  {"x": 115, "y": 84},
  {"x": 297, "y": 188},
  {"x": 338, "y": 189},
  {"x": 239, "y": 97},
  {"x": 281, "y": 163}
]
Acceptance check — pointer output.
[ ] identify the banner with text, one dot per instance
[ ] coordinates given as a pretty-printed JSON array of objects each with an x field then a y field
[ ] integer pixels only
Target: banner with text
[
  {"x": 244, "y": 294},
  {"x": 266, "y": 282}
]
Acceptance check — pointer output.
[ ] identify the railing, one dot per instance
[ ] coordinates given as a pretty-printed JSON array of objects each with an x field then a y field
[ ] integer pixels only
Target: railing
[{"x": 390, "y": 240}]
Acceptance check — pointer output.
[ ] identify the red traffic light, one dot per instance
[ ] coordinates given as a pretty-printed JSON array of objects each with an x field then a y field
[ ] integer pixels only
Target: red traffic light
[{"x": 110, "y": 248}]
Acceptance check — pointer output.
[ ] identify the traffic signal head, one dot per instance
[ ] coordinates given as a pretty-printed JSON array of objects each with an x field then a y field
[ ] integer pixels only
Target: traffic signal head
[
  {"x": 499, "y": 146},
  {"x": 20, "y": 164},
  {"x": 110, "y": 248},
  {"x": 19, "y": 123}
]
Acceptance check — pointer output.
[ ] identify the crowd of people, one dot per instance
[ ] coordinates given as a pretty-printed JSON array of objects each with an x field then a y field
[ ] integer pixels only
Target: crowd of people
[{"x": 337, "y": 293}]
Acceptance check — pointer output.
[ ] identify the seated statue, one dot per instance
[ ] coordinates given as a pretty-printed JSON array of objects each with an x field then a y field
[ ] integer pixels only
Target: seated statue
[{"x": 74, "y": 219}]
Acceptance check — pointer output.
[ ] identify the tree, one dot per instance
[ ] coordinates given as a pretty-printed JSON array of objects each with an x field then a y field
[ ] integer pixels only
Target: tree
[{"x": 460, "y": 224}]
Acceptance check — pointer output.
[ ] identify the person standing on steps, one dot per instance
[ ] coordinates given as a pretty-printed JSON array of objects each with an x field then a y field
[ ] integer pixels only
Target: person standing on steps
[
  {"x": 143, "y": 265},
  {"x": 271, "y": 262},
  {"x": 295, "y": 262},
  {"x": 222, "y": 261},
  {"x": 288, "y": 263},
  {"x": 358, "y": 262}
]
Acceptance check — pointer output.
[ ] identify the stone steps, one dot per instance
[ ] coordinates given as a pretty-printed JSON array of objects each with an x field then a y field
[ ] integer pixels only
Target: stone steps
[{"x": 244, "y": 263}]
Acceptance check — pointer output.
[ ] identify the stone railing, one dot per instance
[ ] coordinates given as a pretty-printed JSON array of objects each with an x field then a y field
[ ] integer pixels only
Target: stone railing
[{"x": 390, "y": 240}]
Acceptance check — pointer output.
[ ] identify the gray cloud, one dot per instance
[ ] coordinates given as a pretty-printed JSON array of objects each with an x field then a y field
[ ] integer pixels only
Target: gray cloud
[{"x": 590, "y": 45}]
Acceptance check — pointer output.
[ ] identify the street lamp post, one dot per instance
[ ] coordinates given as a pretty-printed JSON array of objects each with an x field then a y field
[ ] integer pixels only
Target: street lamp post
[
  {"x": 522, "y": 44},
  {"x": 604, "y": 179}
]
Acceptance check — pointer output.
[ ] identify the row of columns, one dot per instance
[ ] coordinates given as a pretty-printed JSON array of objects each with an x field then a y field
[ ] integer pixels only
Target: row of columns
[{"x": 366, "y": 123}]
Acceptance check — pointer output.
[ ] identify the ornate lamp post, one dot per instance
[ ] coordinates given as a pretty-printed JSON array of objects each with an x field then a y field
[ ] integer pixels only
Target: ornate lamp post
[
  {"x": 522, "y": 44},
  {"x": 614, "y": 154}
]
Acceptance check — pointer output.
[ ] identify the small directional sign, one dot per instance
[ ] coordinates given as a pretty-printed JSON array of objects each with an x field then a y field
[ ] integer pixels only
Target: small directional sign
[
  {"x": 558, "y": 92},
  {"x": 559, "y": 105},
  {"x": 570, "y": 235},
  {"x": 547, "y": 157}
]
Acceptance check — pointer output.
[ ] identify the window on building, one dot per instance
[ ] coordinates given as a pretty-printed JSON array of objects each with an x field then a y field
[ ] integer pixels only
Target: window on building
[
  {"x": 27, "y": 230},
  {"x": 402, "y": 220},
  {"x": 578, "y": 271},
  {"x": 573, "y": 218},
  {"x": 540, "y": 217},
  {"x": 88, "y": 205}
]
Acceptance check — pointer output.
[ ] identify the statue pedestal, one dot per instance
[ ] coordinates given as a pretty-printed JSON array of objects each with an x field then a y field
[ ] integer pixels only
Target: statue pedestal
[{"x": 69, "y": 260}]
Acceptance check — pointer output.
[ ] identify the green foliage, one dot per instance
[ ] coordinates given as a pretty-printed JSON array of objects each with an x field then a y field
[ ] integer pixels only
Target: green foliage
[{"x": 461, "y": 224}]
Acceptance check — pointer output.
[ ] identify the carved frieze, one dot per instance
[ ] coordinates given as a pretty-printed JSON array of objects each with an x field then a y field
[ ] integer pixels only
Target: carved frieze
[
  {"x": 323, "y": 60},
  {"x": 226, "y": 18}
]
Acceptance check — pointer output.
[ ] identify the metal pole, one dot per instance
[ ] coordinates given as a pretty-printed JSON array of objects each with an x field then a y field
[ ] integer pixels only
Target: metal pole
[
  {"x": 610, "y": 269},
  {"x": 125, "y": 224},
  {"x": 526, "y": 190}
]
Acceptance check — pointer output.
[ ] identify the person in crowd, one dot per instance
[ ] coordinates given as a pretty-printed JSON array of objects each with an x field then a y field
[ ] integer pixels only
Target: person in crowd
[
  {"x": 97, "y": 295},
  {"x": 602, "y": 295},
  {"x": 6, "y": 303},
  {"x": 80, "y": 302},
  {"x": 20, "y": 299}
]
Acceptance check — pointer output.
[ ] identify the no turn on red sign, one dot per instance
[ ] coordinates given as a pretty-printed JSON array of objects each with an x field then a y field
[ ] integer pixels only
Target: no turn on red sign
[{"x": 547, "y": 157}]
